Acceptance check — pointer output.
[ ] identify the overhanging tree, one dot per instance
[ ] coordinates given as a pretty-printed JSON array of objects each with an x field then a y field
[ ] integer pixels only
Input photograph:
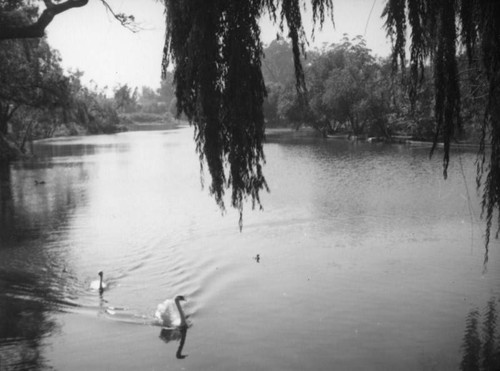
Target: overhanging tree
[
  {"x": 15, "y": 25},
  {"x": 437, "y": 27},
  {"x": 30, "y": 76},
  {"x": 216, "y": 49}
]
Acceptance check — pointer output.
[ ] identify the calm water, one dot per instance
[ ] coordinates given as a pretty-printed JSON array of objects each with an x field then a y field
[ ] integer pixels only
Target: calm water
[{"x": 369, "y": 260}]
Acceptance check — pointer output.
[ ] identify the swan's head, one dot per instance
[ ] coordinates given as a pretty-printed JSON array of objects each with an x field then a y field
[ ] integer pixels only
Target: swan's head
[
  {"x": 100, "y": 274},
  {"x": 180, "y": 298}
]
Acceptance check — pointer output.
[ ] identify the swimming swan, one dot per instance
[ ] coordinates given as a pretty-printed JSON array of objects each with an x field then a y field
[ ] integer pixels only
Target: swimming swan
[
  {"x": 98, "y": 285},
  {"x": 170, "y": 313}
]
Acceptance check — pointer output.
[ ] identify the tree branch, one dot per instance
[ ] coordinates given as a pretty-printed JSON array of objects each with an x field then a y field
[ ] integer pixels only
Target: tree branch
[
  {"x": 37, "y": 29},
  {"x": 48, "y": 3},
  {"x": 18, "y": 30},
  {"x": 127, "y": 21}
]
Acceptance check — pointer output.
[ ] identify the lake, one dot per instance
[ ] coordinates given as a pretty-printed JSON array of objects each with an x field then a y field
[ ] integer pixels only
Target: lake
[{"x": 363, "y": 258}]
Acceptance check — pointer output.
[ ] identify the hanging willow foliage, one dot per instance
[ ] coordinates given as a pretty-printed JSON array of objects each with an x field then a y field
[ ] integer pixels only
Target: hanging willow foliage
[
  {"x": 437, "y": 27},
  {"x": 216, "y": 50}
]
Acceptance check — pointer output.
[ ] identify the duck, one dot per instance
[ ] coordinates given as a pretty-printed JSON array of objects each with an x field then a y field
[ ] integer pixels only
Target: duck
[
  {"x": 170, "y": 313},
  {"x": 98, "y": 285}
]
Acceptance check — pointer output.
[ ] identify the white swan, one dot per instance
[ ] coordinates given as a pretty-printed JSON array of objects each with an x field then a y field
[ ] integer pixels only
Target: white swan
[
  {"x": 98, "y": 285},
  {"x": 170, "y": 313}
]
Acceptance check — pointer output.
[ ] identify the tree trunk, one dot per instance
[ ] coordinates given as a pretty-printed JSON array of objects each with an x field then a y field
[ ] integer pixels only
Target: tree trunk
[
  {"x": 8, "y": 150},
  {"x": 27, "y": 134},
  {"x": 6, "y": 114},
  {"x": 3, "y": 126}
]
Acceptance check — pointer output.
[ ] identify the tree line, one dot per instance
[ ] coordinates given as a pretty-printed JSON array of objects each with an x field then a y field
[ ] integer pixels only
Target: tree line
[
  {"x": 38, "y": 99},
  {"x": 350, "y": 91}
]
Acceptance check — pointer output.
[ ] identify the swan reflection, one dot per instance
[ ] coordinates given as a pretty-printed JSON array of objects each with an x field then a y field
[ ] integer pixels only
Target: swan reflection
[{"x": 178, "y": 334}]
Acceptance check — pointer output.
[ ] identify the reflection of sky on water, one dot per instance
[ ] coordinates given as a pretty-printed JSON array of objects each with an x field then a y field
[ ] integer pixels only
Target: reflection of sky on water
[{"x": 362, "y": 241}]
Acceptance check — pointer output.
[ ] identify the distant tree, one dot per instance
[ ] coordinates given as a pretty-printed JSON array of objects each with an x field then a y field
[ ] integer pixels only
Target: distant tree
[
  {"x": 346, "y": 89},
  {"x": 277, "y": 63},
  {"x": 166, "y": 90},
  {"x": 125, "y": 98},
  {"x": 270, "y": 105},
  {"x": 148, "y": 95},
  {"x": 149, "y": 101},
  {"x": 91, "y": 108},
  {"x": 291, "y": 106},
  {"x": 278, "y": 73}
]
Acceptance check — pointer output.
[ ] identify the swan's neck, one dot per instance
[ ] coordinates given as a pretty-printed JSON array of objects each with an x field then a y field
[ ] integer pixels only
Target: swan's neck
[
  {"x": 100, "y": 283},
  {"x": 181, "y": 313}
]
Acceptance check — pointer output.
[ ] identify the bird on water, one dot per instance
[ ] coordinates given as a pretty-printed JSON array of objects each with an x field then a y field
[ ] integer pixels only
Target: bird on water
[
  {"x": 99, "y": 285},
  {"x": 170, "y": 313}
]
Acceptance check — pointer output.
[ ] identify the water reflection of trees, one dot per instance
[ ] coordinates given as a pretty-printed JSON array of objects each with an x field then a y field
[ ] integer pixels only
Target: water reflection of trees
[
  {"x": 33, "y": 282},
  {"x": 25, "y": 319},
  {"x": 481, "y": 348}
]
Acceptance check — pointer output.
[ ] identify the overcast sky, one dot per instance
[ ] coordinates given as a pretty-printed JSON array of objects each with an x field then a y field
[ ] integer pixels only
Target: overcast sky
[{"x": 91, "y": 40}]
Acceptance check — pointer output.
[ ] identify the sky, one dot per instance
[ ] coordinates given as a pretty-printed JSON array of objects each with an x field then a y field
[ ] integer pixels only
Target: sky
[{"x": 91, "y": 40}]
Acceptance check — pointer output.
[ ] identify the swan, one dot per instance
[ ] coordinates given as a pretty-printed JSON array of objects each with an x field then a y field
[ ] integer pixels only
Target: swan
[
  {"x": 98, "y": 284},
  {"x": 170, "y": 313}
]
